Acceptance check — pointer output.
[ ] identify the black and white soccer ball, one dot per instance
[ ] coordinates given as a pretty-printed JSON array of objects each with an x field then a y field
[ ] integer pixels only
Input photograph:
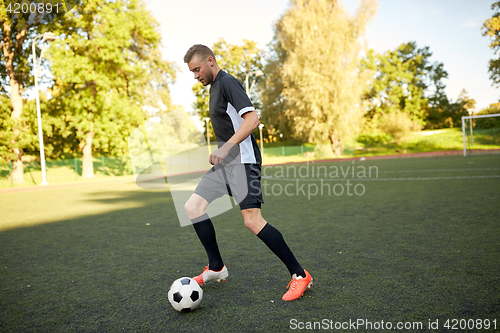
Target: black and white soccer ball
[{"x": 185, "y": 294}]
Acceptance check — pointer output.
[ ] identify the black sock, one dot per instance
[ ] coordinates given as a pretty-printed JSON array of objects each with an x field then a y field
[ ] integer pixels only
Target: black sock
[
  {"x": 206, "y": 233},
  {"x": 274, "y": 240}
]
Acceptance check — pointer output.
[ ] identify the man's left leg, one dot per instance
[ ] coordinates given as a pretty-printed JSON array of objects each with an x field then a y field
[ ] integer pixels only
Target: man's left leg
[
  {"x": 196, "y": 209},
  {"x": 301, "y": 279}
]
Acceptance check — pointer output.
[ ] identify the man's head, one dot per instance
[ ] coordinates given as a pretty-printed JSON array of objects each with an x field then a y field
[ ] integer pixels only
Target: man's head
[{"x": 201, "y": 61}]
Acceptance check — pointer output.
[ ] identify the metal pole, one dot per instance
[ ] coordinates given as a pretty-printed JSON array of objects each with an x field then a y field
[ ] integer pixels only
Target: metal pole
[
  {"x": 11, "y": 178},
  {"x": 471, "y": 140},
  {"x": 261, "y": 140},
  {"x": 246, "y": 84},
  {"x": 257, "y": 73},
  {"x": 76, "y": 168},
  {"x": 207, "y": 119},
  {"x": 39, "y": 116},
  {"x": 208, "y": 133},
  {"x": 463, "y": 135},
  {"x": 251, "y": 87}
]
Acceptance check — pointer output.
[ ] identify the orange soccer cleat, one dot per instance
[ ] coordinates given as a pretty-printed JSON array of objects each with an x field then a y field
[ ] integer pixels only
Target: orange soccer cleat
[
  {"x": 209, "y": 275},
  {"x": 297, "y": 286}
]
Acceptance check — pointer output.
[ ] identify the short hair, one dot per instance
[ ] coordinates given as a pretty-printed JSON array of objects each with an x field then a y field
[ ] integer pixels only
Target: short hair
[{"x": 200, "y": 50}]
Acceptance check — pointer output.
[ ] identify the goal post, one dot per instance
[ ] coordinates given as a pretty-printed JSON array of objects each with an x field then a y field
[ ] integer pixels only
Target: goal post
[{"x": 468, "y": 131}]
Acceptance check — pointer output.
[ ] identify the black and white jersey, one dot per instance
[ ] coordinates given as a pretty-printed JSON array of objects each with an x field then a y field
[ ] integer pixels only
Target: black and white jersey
[{"x": 228, "y": 102}]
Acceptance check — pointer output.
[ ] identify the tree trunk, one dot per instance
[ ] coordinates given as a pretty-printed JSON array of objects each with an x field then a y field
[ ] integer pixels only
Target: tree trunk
[
  {"x": 18, "y": 168},
  {"x": 87, "y": 164},
  {"x": 337, "y": 146},
  {"x": 17, "y": 110},
  {"x": 16, "y": 99}
]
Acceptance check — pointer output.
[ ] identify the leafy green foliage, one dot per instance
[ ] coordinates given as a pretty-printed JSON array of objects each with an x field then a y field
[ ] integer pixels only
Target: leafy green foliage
[
  {"x": 402, "y": 80},
  {"x": 491, "y": 28},
  {"x": 444, "y": 113},
  {"x": 277, "y": 125},
  {"x": 17, "y": 33},
  {"x": 319, "y": 77},
  {"x": 398, "y": 124},
  {"x": 107, "y": 66},
  {"x": 15, "y": 134},
  {"x": 25, "y": 12},
  {"x": 6, "y": 130},
  {"x": 490, "y": 122}
]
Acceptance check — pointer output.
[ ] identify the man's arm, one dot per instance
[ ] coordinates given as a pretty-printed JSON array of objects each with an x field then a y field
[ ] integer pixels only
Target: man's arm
[{"x": 250, "y": 123}]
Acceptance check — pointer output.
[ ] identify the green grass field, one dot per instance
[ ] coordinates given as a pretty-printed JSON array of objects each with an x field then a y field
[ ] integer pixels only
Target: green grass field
[{"x": 419, "y": 241}]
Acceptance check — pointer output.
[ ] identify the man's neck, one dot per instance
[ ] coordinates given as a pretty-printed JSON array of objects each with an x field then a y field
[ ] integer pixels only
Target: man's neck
[{"x": 216, "y": 71}]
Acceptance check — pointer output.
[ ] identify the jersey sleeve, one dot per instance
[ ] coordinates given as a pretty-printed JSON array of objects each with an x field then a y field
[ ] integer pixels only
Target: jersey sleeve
[{"x": 236, "y": 95}]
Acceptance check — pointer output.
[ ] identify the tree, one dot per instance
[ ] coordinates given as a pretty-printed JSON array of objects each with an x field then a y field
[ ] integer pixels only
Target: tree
[
  {"x": 237, "y": 60},
  {"x": 402, "y": 81},
  {"x": 107, "y": 67},
  {"x": 320, "y": 74},
  {"x": 21, "y": 22},
  {"x": 490, "y": 122},
  {"x": 491, "y": 28},
  {"x": 445, "y": 113},
  {"x": 407, "y": 84},
  {"x": 271, "y": 95}
]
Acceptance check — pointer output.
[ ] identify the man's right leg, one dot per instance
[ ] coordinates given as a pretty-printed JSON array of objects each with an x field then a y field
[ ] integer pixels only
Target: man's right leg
[{"x": 196, "y": 209}]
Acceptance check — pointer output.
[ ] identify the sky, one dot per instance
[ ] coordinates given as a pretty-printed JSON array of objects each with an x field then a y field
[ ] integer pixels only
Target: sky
[{"x": 451, "y": 29}]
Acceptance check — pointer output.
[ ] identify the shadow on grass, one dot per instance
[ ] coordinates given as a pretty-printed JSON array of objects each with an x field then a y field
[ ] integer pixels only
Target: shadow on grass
[{"x": 104, "y": 272}]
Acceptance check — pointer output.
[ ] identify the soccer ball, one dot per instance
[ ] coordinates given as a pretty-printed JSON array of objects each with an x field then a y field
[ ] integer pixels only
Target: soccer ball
[{"x": 185, "y": 294}]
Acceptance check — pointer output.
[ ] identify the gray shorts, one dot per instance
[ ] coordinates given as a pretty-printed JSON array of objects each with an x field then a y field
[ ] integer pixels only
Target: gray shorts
[{"x": 241, "y": 181}]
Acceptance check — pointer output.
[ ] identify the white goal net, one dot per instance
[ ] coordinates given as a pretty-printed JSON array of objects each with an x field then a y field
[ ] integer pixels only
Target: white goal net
[{"x": 481, "y": 133}]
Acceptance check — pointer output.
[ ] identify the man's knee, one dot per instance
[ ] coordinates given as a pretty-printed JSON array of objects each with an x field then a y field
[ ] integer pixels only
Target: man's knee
[
  {"x": 253, "y": 220},
  {"x": 250, "y": 221},
  {"x": 193, "y": 209}
]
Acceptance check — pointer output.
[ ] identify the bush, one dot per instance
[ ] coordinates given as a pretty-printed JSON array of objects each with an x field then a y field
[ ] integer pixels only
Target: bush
[
  {"x": 488, "y": 123},
  {"x": 397, "y": 124},
  {"x": 374, "y": 139}
]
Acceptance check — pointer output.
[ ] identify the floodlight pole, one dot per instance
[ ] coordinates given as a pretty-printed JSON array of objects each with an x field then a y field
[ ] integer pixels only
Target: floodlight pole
[
  {"x": 257, "y": 74},
  {"x": 471, "y": 140},
  {"x": 463, "y": 135},
  {"x": 261, "y": 141},
  {"x": 48, "y": 36},
  {"x": 207, "y": 119}
]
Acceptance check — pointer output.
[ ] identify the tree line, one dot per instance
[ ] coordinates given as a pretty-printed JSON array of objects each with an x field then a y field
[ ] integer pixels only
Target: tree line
[{"x": 320, "y": 84}]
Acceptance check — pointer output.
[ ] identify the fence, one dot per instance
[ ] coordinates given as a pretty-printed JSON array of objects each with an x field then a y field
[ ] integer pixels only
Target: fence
[
  {"x": 283, "y": 154},
  {"x": 69, "y": 170},
  {"x": 66, "y": 170}
]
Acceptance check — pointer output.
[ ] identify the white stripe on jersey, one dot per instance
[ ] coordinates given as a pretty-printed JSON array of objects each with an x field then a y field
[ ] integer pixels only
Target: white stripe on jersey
[
  {"x": 245, "y": 110},
  {"x": 246, "y": 147}
]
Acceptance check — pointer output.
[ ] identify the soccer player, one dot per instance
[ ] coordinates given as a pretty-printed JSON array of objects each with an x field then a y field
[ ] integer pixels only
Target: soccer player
[{"x": 234, "y": 119}]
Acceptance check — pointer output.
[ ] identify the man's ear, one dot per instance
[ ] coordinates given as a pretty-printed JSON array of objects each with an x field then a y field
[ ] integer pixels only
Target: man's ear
[{"x": 210, "y": 61}]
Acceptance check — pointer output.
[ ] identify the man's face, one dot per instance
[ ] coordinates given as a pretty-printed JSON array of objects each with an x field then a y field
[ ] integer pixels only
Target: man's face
[{"x": 202, "y": 69}]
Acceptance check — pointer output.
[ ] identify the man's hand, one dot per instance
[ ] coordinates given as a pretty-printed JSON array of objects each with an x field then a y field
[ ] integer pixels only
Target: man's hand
[
  {"x": 250, "y": 122},
  {"x": 218, "y": 156}
]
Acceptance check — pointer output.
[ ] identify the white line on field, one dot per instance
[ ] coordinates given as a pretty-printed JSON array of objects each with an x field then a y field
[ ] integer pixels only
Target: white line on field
[
  {"x": 362, "y": 179},
  {"x": 438, "y": 170}
]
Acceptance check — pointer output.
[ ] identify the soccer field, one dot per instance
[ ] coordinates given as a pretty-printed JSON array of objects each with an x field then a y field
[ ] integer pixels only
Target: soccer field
[{"x": 412, "y": 243}]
